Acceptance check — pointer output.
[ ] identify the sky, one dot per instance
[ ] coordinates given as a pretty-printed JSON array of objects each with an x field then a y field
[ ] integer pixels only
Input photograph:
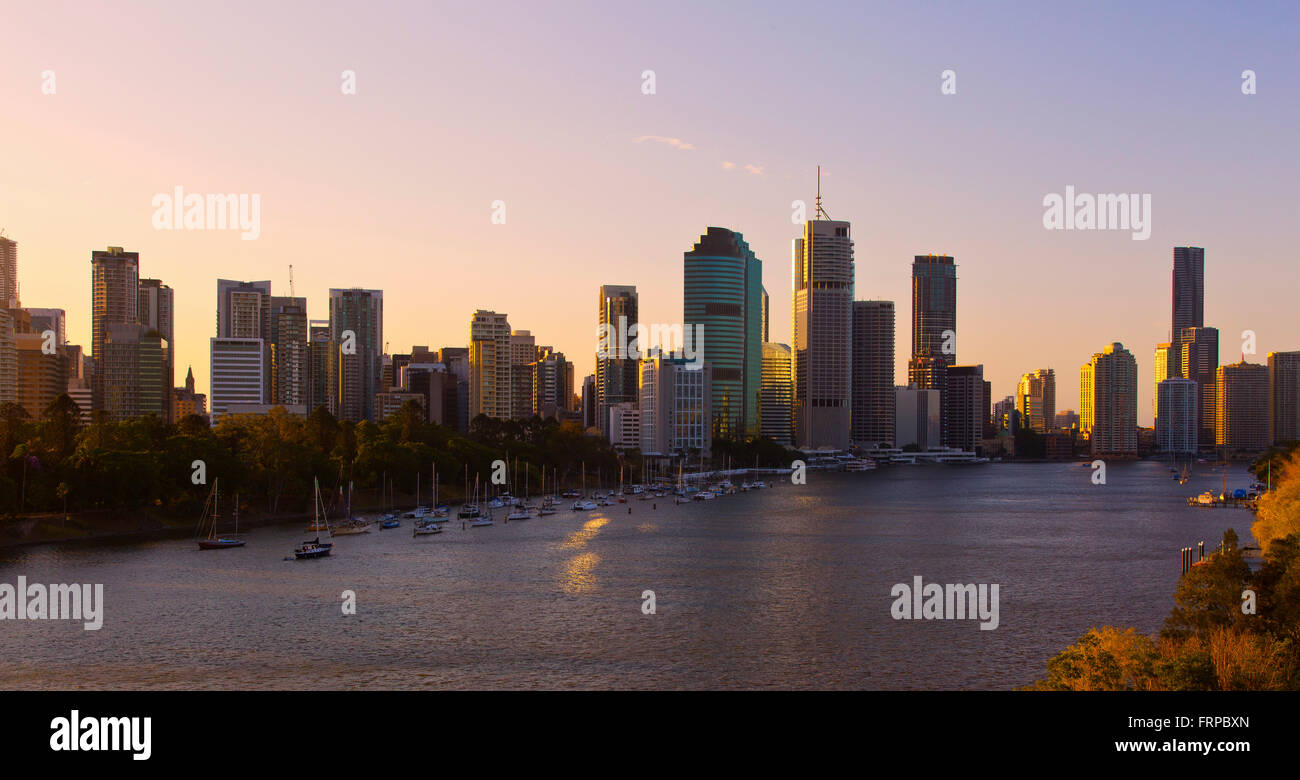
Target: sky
[{"x": 543, "y": 106}]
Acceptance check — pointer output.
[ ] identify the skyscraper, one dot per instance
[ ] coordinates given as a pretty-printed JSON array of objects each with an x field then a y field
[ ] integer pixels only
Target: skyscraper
[
  {"x": 1200, "y": 362},
  {"x": 290, "y": 361},
  {"x": 934, "y": 327},
  {"x": 133, "y": 370},
  {"x": 1241, "y": 407},
  {"x": 917, "y": 424},
  {"x": 523, "y": 354},
  {"x": 1108, "y": 401},
  {"x": 1036, "y": 400},
  {"x": 965, "y": 406},
  {"x": 323, "y": 357},
  {"x": 724, "y": 297},
  {"x": 674, "y": 399},
  {"x": 1283, "y": 397},
  {"x": 822, "y": 331},
  {"x": 489, "y": 365},
  {"x": 874, "y": 396},
  {"x": 1188, "y": 296},
  {"x": 777, "y": 393},
  {"x": 156, "y": 304},
  {"x": 115, "y": 290},
  {"x": 616, "y": 370},
  {"x": 357, "y": 328},
  {"x": 1178, "y": 424},
  {"x": 8, "y": 273}
]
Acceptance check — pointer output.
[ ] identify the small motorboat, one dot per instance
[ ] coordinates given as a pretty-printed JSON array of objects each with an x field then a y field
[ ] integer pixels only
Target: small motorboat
[
  {"x": 426, "y": 528},
  {"x": 481, "y": 522},
  {"x": 391, "y": 523},
  {"x": 313, "y": 549},
  {"x": 519, "y": 514}
]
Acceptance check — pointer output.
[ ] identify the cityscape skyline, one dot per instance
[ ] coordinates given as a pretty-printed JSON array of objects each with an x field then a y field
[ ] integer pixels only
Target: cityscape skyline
[{"x": 672, "y": 176}]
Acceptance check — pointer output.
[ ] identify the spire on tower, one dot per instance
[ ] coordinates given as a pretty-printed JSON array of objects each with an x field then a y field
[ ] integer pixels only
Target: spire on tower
[{"x": 820, "y": 213}]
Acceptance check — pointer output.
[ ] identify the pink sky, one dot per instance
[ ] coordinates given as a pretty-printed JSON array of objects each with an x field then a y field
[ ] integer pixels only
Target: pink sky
[{"x": 459, "y": 106}]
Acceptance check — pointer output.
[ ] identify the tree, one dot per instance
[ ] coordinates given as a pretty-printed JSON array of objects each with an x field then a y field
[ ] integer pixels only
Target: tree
[
  {"x": 1278, "y": 515},
  {"x": 1209, "y": 595}
]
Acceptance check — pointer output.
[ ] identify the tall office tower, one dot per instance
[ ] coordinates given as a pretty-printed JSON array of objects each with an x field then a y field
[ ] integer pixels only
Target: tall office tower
[
  {"x": 489, "y": 365},
  {"x": 42, "y": 376},
  {"x": 456, "y": 413},
  {"x": 1108, "y": 401},
  {"x": 185, "y": 401},
  {"x": 589, "y": 402},
  {"x": 874, "y": 415},
  {"x": 8, "y": 273},
  {"x": 289, "y": 337},
  {"x": 777, "y": 393},
  {"x": 616, "y": 370},
  {"x": 822, "y": 331},
  {"x": 552, "y": 385},
  {"x": 965, "y": 406},
  {"x": 322, "y": 367},
  {"x": 134, "y": 372},
  {"x": 674, "y": 397},
  {"x": 1241, "y": 407},
  {"x": 934, "y": 327},
  {"x": 1178, "y": 424},
  {"x": 50, "y": 319},
  {"x": 918, "y": 425},
  {"x": 236, "y": 374},
  {"x": 767, "y": 307},
  {"x": 1036, "y": 400},
  {"x": 1283, "y": 397},
  {"x": 523, "y": 353},
  {"x": 1166, "y": 366},
  {"x": 1200, "y": 362},
  {"x": 115, "y": 289},
  {"x": 156, "y": 305},
  {"x": 724, "y": 297},
  {"x": 1188, "y": 298},
  {"x": 357, "y": 328}
]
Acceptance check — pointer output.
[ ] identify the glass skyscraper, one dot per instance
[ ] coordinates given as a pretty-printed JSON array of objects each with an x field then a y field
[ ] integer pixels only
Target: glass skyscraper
[{"x": 724, "y": 297}]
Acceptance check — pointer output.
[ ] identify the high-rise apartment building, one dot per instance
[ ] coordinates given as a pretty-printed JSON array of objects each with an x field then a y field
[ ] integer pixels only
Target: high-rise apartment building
[
  {"x": 1241, "y": 408},
  {"x": 289, "y": 337},
  {"x": 1188, "y": 298},
  {"x": 674, "y": 397},
  {"x": 874, "y": 395},
  {"x": 8, "y": 273},
  {"x": 524, "y": 353},
  {"x": 1166, "y": 365},
  {"x": 822, "y": 333},
  {"x": 1200, "y": 363},
  {"x": 42, "y": 376},
  {"x": 357, "y": 328},
  {"x": 724, "y": 298},
  {"x": 1178, "y": 424},
  {"x": 1108, "y": 401},
  {"x": 134, "y": 371},
  {"x": 965, "y": 406},
  {"x": 1283, "y": 397},
  {"x": 115, "y": 290},
  {"x": 489, "y": 365}
]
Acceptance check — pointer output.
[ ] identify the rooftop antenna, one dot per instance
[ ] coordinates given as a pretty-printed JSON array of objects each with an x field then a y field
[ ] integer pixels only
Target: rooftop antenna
[
  {"x": 291, "y": 295},
  {"x": 820, "y": 213}
]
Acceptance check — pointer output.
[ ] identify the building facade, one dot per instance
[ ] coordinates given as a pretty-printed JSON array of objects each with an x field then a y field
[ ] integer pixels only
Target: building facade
[
  {"x": 822, "y": 334},
  {"x": 1108, "y": 401},
  {"x": 874, "y": 396}
]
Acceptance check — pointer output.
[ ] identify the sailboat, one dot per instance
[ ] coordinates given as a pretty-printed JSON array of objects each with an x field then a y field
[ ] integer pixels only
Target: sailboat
[
  {"x": 352, "y": 525},
  {"x": 321, "y": 522},
  {"x": 521, "y": 510},
  {"x": 209, "y": 519},
  {"x": 470, "y": 510},
  {"x": 440, "y": 512}
]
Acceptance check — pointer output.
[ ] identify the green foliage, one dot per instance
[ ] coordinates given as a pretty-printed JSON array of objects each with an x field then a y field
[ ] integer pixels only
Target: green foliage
[{"x": 270, "y": 460}]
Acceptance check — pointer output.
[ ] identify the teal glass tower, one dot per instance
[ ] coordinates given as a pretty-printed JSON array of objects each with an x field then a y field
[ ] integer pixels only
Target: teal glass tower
[{"x": 724, "y": 295}]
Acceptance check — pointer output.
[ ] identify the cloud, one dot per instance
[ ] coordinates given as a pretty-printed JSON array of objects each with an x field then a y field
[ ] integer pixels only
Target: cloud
[
  {"x": 676, "y": 143},
  {"x": 757, "y": 170}
]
